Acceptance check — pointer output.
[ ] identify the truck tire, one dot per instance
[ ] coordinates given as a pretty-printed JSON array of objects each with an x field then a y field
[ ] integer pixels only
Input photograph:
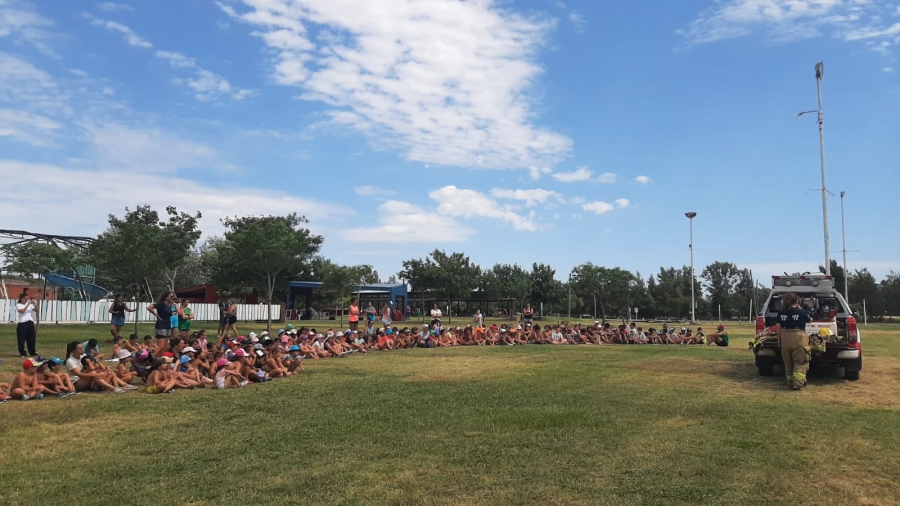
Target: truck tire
[
  {"x": 851, "y": 375},
  {"x": 767, "y": 371}
]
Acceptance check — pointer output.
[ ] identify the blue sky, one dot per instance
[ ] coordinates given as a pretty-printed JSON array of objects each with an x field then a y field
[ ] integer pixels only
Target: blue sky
[{"x": 530, "y": 131}]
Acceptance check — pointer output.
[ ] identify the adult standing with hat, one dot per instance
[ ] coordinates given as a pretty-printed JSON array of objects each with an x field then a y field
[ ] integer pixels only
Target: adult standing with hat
[{"x": 793, "y": 340}]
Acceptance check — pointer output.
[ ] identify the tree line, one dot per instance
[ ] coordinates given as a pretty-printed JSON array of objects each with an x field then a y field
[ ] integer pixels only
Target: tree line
[{"x": 145, "y": 252}]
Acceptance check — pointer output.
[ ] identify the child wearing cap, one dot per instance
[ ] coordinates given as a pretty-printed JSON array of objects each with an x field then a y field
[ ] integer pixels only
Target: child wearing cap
[
  {"x": 26, "y": 384},
  {"x": 294, "y": 359},
  {"x": 227, "y": 375}
]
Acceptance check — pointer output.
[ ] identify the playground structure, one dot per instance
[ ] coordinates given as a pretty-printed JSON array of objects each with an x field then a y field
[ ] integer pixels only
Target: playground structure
[{"x": 81, "y": 281}]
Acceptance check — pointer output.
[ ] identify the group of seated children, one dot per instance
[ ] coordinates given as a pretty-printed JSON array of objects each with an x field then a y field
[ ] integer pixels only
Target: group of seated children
[
  {"x": 163, "y": 365},
  {"x": 435, "y": 335},
  {"x": 168, "y": 364}
]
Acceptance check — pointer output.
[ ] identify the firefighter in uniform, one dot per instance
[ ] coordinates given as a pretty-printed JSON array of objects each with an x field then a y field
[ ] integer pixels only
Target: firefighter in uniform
[{"x": 794, "y": 341}]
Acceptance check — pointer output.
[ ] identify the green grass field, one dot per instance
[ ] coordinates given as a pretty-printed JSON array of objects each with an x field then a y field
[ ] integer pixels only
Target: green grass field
[{"x": 471, "y": 426}]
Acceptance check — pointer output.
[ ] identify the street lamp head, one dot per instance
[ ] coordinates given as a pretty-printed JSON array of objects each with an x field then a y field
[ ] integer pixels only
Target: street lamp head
[
  {"x": 820, "y": 70},
  {"x": 804, "y": 112},
  {"x": 842, "y": 194},
  {"x": 691, "y": 215}
]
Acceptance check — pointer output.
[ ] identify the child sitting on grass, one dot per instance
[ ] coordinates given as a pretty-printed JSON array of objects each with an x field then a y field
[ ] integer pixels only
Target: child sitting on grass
[
  {"x": 26, "y": 385},
  {"x": 227, "y": 376},
  {"x": 51, "y": 370}
]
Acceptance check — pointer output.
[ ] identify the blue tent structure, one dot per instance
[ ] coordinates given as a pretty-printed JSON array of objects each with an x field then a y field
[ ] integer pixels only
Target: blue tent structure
[{"x": 377, "y": 293}]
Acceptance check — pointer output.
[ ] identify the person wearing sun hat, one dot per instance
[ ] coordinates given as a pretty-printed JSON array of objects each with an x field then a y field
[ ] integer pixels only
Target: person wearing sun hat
[
  {"x": 26, "y": 384},
  {"x": 226, "y": 376}
]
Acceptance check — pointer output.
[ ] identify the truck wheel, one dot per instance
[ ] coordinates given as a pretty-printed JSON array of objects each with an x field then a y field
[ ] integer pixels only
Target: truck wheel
[
  {"x": 767, "y": 371},
  {"x": 851, "y": 375}
]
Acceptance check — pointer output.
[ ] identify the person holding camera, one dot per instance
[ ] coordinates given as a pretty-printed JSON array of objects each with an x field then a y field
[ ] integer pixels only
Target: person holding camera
[{"x": 26, "y": 334}]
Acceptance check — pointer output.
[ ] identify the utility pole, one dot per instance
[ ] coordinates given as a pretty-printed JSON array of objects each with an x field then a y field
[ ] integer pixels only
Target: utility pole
[
  {"x": 844, "y": 241},
  {"x": 691, "y": 217},
  {"x": 820, "y": 71}
]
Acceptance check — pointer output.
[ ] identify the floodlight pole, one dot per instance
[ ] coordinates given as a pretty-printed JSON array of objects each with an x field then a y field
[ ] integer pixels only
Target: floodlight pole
[
  {"x": 844, "y": 242},
  {"x": 690, "y": 217},
  {"x": 820, "y": 71}
]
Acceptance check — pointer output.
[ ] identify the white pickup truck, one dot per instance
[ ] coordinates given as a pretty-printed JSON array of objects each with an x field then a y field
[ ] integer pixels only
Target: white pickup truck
[{"x": 827, "y": 308}]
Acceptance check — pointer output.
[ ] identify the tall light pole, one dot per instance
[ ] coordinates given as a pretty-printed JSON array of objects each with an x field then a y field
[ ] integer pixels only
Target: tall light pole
[
  {"x": 691, "y": 217},
  {"x": 844, "y": 242},
  {"x": 570, "y": 295},
  {"x": 820, "y": 71}
]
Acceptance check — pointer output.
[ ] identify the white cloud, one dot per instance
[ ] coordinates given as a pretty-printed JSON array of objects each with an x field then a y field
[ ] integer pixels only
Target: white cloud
[
  {"x": 608, "y": 178},
  {"x": 783, "y": 20},
  {"x": 151, "y": 149},
  {"x": 460, "y": 203},
  {"x": 599, "y": 207},
  {"x": 582, "y": 174},
  {"x": 176, "y": 59},
  {"x": 19, "y": 20},
  {"x": 127, "y": 33},
  {"x": 97, "y": 193},
  {"x": 538, "y": 172},
  {"x": 873, "y": 32},
  {"x": 643, "y": 179},
  {"x": 577, "y": 20},
  {"x": 373, "y": 191},
  {"x": 24, "y": 86},
  {"x": 445, "y": 82},
  {"x": 404, "y": 222},
  {"x": 887, "y": 70},
  {"x": 622, "y": 203},
  {"x": 530, "y": 197},
  {"x": 110, "y": 6},
  {"x": 27, "y": 127},
  {"x": 207, "y": 86}
]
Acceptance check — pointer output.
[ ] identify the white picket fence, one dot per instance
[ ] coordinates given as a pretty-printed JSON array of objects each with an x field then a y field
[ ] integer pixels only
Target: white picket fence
[{"x": 64, "y": 311}]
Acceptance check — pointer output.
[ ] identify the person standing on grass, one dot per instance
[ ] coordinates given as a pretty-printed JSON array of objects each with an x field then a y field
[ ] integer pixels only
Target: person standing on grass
[
  {"x": 118, "y": 310},
  {"x": 370, "y": 313},
  {"x": 354, "y": 315},
  {"x": 162, "y": 310},
  {"x": 185, "y": 315},
  {"x": 528, "y": 314},
  {"x": 436, "y": 315},
  {"x": 386, "y": 315},
  {"x": 478, "y": 319},
  {"x": 227, "y": 318},
  {"x": 26, "y": 333},
  {"x": 793, "y": 340}
]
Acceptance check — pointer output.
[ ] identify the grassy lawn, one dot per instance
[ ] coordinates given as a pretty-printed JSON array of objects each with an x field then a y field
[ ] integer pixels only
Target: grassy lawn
[{"x": 470, "y": 426}]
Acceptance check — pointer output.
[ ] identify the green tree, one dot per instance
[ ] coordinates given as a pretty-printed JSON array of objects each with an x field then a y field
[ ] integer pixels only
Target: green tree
[
  {"x": 838, "y": 276},
  {"x": 264, "y": 252},
  {"x": 722, "y": 279},
  {"x": 34, "y": 259},
  {"x": 506, "y": 281},
  {"x": 865, "y": 288},
  {"x": 546, "y": 290},
  {"x": 446, "y": 277},
  {"x": 139, "y": 252},
  {"x": 343, "y": 279},
  {"x": 890, "y": 290}
]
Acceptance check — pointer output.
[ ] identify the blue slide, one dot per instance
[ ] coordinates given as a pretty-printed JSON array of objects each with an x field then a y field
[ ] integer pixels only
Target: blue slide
[{"x": 92, "y": 291}]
